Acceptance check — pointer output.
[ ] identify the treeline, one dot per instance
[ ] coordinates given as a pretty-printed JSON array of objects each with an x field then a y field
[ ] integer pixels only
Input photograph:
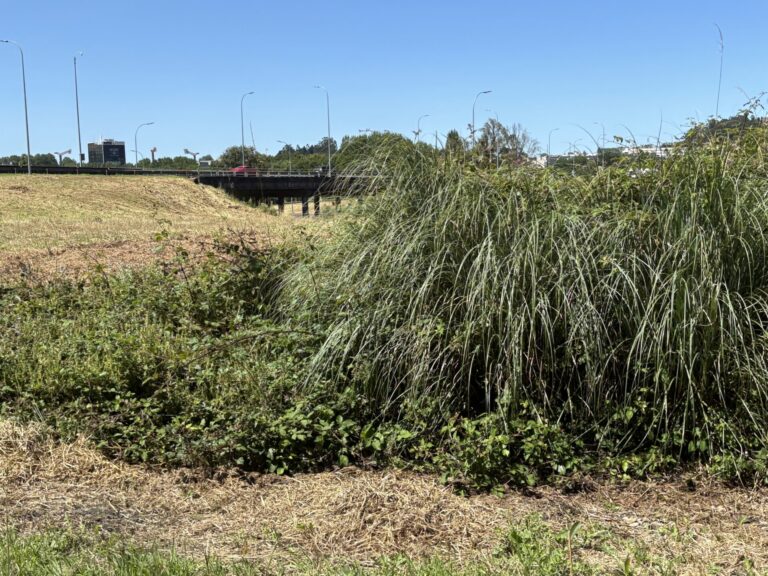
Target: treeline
[{"x": 494, "y": 143}]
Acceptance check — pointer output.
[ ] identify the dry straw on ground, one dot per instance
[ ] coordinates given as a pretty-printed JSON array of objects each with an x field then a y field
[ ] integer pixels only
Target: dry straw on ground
[{"x": 360, "y": 515}]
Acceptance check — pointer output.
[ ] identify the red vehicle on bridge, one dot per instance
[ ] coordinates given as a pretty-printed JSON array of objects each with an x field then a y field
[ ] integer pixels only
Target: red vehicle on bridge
[{"x": 246, "y": 171}]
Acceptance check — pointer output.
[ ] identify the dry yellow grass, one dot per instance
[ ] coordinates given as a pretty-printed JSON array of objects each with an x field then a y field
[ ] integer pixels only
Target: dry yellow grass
[
  {"x": 62, "y": 224},
  {"x": 360, "y": 515}
]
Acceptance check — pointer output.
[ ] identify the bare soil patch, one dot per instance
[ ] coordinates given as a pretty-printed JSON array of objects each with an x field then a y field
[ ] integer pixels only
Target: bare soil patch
[{"x": 358, "y": 515}]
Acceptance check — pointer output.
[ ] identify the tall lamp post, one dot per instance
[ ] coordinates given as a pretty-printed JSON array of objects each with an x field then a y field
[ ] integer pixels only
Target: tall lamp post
[
  {"x": 242, "y": 129},
  {"x": 77, "y": 107},
  {"x": 602, "y": 147},
  {"x": 549, "y": 141},
  {"x": 417, "y": 132},
  {"x": 289, "y": 155},
  {"x": 26, "y": 113},
  {"x": 328, "y": 119},
  {"x": 473, "y": 113},
  {"x": 135, "y": 142},
  {"x": 495, "y": 135}
]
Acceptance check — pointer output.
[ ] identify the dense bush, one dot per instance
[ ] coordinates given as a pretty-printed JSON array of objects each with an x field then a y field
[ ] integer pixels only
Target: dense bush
[{"x": 628, "y": 307}]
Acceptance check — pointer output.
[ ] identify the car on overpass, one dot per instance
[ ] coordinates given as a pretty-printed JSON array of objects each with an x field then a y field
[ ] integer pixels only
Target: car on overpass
[{"x": 246, "y": 171}]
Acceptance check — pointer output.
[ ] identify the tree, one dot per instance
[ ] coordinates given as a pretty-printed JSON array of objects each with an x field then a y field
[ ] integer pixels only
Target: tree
[
  {"x": 37, "y": 160},
  {"x": 512, "y": 143},
  {"x": 168, "y": 163},
  {"x": 454, "y": 144},
  {"x": 44, "y": 160},
  {"x": 377, "y": 145},
  {"x": 320, "y": 148},
  {"x": 233, "y": 156}
]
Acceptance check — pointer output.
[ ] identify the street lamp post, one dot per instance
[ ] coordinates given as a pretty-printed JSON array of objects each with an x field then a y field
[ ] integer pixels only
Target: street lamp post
[
  {"x": 62, "y": 154},
  {"x": 135, "y": 142},
  {"x": 602, "y": 148},
  {"x": 473, "y": 113},
  {"x": 26, "y": 113},
  {"x": 549, "y": 141},
  {"x": 289, "y": 155},
  {"x": 77, "y": 107},
  {"x": 328, "y": 119},
  {"x": 242, "y": 129},
  {"x": 193, "y": 154},
  {"x": 418, "y": 126},
  {"x": 573, "y": 151},
  {"x": 495, "y": 135}
]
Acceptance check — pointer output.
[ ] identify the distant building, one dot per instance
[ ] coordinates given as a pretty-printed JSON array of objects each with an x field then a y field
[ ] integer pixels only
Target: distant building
[{"x": 107, "y": 151}]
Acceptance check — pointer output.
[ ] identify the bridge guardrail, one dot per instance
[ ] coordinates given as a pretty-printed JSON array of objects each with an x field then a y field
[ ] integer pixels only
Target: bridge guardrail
[{"x": 113, "y": 170}]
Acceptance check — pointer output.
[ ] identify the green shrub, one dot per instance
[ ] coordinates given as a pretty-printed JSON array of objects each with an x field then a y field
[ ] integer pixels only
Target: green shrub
[{"x": 629, "y": 308}]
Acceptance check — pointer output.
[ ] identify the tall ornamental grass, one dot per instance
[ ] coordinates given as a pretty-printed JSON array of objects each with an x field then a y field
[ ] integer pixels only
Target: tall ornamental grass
[{"x": 630, "y": 306}]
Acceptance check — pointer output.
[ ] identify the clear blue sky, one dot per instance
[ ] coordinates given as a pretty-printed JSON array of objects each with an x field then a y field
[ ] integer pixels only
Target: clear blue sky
[{"x": 550, "y": 65}]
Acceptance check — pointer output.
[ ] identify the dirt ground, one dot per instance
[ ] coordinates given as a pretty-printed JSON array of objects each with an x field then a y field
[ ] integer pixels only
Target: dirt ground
[{"x": 358, "y": 515}]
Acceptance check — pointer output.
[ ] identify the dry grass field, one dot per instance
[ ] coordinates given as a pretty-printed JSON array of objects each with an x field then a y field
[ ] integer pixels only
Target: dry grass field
[
  {"x": 357, "y": 515},
  {"x": 62, "y": 224}
]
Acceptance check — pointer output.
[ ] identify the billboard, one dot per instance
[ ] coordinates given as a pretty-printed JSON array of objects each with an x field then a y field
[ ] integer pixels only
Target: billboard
[
  {"x": 106, "y": 152},
  {"x": 114, "y": 153}
]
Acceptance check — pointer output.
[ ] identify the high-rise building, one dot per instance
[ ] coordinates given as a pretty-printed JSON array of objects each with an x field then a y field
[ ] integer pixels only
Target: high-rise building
[{"x": 107, "y": 151}]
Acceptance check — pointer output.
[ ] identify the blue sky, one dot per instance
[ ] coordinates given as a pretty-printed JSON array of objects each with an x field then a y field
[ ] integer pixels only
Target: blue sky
[{"x": 550, "y": 65}]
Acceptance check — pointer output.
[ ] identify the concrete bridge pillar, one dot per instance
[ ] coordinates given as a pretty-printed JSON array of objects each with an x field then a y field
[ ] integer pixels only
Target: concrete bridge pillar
[{"x": 305, "y": 205}]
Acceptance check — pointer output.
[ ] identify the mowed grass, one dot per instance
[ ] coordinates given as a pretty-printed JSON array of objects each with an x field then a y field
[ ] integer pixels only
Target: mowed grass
[
  {"x": 69, "y": 510},
  {"x": 53, "y": 212}
]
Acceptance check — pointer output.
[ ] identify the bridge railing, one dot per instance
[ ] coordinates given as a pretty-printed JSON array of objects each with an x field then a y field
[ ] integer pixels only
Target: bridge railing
[{"x": 120, "y": 170}]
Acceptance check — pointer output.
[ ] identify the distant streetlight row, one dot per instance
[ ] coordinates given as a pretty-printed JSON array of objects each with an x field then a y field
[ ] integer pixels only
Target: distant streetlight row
[
  {"x": 77, "y": 106},
  {"x": 417, "y": 132},
  {"x": 328, "y": 119}
]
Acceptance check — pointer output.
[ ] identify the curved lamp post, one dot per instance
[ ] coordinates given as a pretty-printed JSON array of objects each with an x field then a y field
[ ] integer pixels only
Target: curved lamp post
[
  {"x": 473, "y": 113},
  {"x": 328, "y": 118},
  {"x": 418, "y": 126},
  {"x": 242, "y": 129},
  {"x": 549, "y": 142},
  {"x": 77, "y": 107},
  {"x": 135, "y": 142},
  {"x": 26, "y": 113}
]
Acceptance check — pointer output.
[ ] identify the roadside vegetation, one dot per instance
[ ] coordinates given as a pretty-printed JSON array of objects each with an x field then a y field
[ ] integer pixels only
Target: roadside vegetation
[
  {"x": 501, "y": 327},
  {"x": 498, "y": 327}
]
